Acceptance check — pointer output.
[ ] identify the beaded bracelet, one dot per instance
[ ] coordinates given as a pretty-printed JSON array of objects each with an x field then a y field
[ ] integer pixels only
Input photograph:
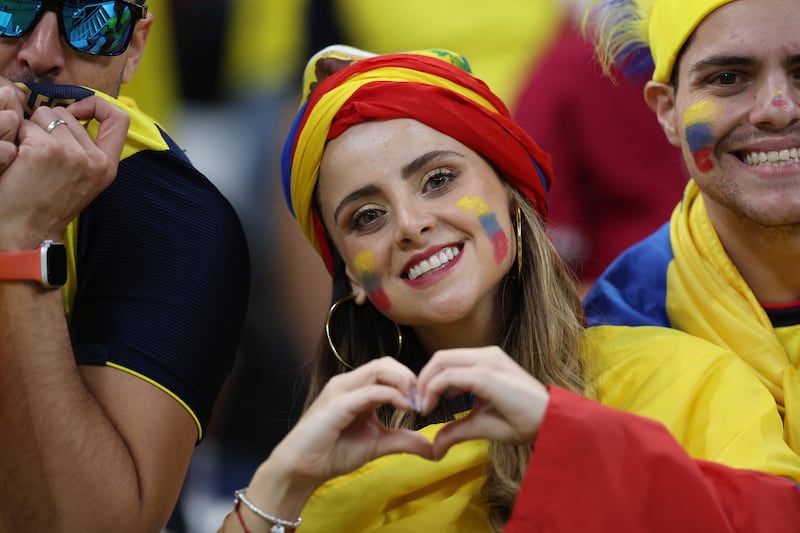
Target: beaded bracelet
[{"x": 279, "y": 525}]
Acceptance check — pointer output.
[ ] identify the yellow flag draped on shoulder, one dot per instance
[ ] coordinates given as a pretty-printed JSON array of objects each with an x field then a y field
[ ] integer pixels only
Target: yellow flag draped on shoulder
[
  {"x": 703, "y": 393},
  {"x": 707, "y": 297},
  {"x": 143, "y": 134}
]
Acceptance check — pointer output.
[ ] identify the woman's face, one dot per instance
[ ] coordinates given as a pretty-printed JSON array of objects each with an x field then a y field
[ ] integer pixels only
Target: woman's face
[{"x": 421, "y": 221}]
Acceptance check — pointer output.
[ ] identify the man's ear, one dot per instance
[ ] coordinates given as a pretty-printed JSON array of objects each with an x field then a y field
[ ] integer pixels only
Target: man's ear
[
  {"x": 661, "y": 99},
  {"x": 136, "y": 47},
  {"x": 359, "y": 292}
]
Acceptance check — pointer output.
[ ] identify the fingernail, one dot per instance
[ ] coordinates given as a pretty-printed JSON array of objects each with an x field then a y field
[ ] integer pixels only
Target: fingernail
[{"x": 414, "y": 399}]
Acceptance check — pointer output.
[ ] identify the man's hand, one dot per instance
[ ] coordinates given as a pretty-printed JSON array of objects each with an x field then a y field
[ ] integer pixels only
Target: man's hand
[
  {"x": 54, "y": 175},
  {"x": 11, "y": 117}
]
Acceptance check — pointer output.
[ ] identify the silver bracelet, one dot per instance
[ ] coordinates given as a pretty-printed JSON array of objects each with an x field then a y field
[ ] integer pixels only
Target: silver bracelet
[{"x": 278, "y": 524}]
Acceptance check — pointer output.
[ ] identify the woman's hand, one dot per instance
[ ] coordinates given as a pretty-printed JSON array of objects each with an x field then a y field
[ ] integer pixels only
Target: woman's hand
[
  {"x": 510, "y": 403},
  {"x": 339, "y": 433}
]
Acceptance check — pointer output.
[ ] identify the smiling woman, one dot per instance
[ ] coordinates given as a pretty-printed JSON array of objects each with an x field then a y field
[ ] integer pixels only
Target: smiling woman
[{"x": 428, "y": 206}]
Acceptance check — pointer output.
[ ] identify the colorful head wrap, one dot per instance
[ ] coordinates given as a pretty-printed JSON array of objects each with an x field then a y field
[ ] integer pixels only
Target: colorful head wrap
[
  {"x": 434, "y": 87},
  {"x": 644, "y": 35}
]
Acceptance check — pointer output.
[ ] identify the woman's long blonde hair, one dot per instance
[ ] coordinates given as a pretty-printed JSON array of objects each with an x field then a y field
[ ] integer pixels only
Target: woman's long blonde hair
[{"x": 542, "y": 325}]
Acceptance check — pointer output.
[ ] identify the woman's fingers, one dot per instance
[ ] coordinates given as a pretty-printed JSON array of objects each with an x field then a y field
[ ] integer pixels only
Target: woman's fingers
[
  {"x": 439, "y": 377},
  {"x": 385, "y": 371},
  {"x": 510, "y": 403},
  {"x": 404, "y": 441}
]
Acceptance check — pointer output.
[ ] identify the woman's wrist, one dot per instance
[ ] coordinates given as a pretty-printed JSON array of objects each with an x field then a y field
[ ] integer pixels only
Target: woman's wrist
[
  {"x": 276, "y": 524},
  {"x": 277, "y": 491}
]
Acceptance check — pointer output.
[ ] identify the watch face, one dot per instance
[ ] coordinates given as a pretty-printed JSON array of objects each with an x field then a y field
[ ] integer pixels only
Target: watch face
[{"x": 56, "y": 265}]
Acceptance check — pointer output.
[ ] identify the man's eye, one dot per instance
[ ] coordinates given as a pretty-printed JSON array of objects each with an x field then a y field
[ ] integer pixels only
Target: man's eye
[{"x": 727, "y": 78}]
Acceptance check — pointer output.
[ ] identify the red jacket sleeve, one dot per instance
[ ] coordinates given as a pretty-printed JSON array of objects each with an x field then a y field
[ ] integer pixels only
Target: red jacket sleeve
[{"x": 599, "y": 469}]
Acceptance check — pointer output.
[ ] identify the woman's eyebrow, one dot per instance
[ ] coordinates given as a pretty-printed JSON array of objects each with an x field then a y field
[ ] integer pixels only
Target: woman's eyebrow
[
  {"x": 407, "y": 171},
  {"x": 366, "y": 190},
  {"x": 422, "y": 160}
]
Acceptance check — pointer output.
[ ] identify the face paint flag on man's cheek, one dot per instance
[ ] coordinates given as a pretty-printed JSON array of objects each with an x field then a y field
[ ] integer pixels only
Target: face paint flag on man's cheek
[{"x": 698, "y": 122}]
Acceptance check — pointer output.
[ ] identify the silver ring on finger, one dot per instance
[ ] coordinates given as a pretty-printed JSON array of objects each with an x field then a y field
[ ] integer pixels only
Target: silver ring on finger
[{"x": 53, "y": 125}]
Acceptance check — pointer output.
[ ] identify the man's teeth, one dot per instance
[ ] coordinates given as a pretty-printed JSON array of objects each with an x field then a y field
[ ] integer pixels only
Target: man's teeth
[
  {"x": 434, "y": 261},
  {"x": 779, "y": 158}
]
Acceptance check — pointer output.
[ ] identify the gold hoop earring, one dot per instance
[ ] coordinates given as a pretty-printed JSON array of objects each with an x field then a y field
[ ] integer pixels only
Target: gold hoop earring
[
  {"x": 519, "y": 243},
  {"x": 338, "y": 357}
]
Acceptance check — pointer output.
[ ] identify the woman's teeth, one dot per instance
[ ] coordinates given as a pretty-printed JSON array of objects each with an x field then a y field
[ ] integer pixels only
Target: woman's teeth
[{"x": 433, "y": 262}]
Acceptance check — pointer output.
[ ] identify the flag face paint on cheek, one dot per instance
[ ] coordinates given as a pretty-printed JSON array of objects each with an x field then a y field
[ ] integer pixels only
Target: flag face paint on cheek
[
  {"x": 488, "y": 219},
  {"x": 698, "y": 122},
  {"x": 367, "y": 271}
]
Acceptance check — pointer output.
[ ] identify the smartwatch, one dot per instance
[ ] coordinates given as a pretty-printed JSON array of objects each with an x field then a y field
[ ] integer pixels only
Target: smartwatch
[{"x": 47, "y": 265}]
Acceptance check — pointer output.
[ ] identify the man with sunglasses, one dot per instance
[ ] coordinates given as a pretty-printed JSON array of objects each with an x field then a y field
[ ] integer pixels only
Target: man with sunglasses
[{"x": 107, "y": 384}]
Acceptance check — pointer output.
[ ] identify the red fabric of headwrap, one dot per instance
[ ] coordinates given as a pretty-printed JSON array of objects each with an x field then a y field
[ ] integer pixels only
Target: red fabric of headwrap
[
  {"x": 494, "y": 136},
  {"x": 453, "y": 102}
]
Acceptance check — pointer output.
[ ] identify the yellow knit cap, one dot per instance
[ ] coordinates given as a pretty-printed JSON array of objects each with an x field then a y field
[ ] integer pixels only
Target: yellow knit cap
[{"x": 671, "y": 24}]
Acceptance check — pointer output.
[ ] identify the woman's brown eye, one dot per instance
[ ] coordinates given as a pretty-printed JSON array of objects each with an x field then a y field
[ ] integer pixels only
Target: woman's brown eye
[
  {"x": 365, "y": 217},
  {"x": 439, "y": 180}
]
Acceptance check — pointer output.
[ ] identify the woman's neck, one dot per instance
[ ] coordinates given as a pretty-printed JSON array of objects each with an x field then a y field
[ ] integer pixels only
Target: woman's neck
[{"x": 481, "y": 329}]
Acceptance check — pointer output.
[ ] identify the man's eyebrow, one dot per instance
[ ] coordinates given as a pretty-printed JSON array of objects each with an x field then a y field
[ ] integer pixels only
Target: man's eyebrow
[
  {"x": 722, "y": 61},
  {"x": 422, "y": 160},
  {"x": 744, "y": 61}
]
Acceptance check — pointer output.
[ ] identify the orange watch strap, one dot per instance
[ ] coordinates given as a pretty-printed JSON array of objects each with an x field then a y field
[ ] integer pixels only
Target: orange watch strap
[{"x": 24, "y": 265}]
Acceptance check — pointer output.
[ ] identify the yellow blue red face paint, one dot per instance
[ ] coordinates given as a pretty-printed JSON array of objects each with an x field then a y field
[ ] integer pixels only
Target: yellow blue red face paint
[
  {"x": 778, "y": 99},
  {"x": 367, "y": 271},
  {"x": 698, "y": 122},
  {"x": 488, "y": 219}
]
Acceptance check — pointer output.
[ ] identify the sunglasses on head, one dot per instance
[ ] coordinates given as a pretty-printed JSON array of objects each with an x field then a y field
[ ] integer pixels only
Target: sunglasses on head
[{"x": 92, "y": 27}]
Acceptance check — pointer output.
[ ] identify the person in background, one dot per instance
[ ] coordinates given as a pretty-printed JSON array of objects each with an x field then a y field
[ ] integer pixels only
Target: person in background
[
  {"x": 454, "y": 340},
  {"x": 521, "y": 32},
  {"x": 612, "y": 190},
  {"x": 723, "y": 267},
  {"x": 107, "y": 384}
]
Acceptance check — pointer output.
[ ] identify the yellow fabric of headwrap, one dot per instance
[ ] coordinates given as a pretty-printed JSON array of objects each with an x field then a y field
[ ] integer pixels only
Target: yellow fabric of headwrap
[
  {"x": 707, "y": 297},
  {"x": 671, "y": 24},
  {"x": 403, "y": 492},
  {"x": 311, "y": 140}
]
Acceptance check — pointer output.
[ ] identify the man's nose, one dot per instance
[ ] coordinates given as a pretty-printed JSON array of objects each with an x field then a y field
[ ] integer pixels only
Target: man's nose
[
  {"x": 42, "y": 49},
  {"x": 776, "y": 104}
]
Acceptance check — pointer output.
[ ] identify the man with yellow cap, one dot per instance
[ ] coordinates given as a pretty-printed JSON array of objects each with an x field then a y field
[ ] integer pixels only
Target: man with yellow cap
[{"x": 725, "y": 90}]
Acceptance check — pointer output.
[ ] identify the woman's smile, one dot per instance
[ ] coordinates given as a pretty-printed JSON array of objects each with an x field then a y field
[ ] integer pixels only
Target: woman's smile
[{"x": 430, "y": 263}]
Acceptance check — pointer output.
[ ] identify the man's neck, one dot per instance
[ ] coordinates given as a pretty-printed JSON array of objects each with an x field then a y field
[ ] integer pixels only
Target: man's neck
[{"x": 766, "y": 257}]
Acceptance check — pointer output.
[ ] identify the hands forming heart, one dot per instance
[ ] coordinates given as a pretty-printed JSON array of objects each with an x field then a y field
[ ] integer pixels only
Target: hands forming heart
[{"x": 341, "y": 430}]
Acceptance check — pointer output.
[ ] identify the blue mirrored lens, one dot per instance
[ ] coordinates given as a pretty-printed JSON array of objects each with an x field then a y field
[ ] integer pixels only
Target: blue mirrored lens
[
  {"x": 16, "y": 16},
  {"x": 102, "y": 28}
]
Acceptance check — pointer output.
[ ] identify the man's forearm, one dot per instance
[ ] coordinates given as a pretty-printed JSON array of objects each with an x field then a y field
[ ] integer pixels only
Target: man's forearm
[{"x": 64, "y": 466}]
